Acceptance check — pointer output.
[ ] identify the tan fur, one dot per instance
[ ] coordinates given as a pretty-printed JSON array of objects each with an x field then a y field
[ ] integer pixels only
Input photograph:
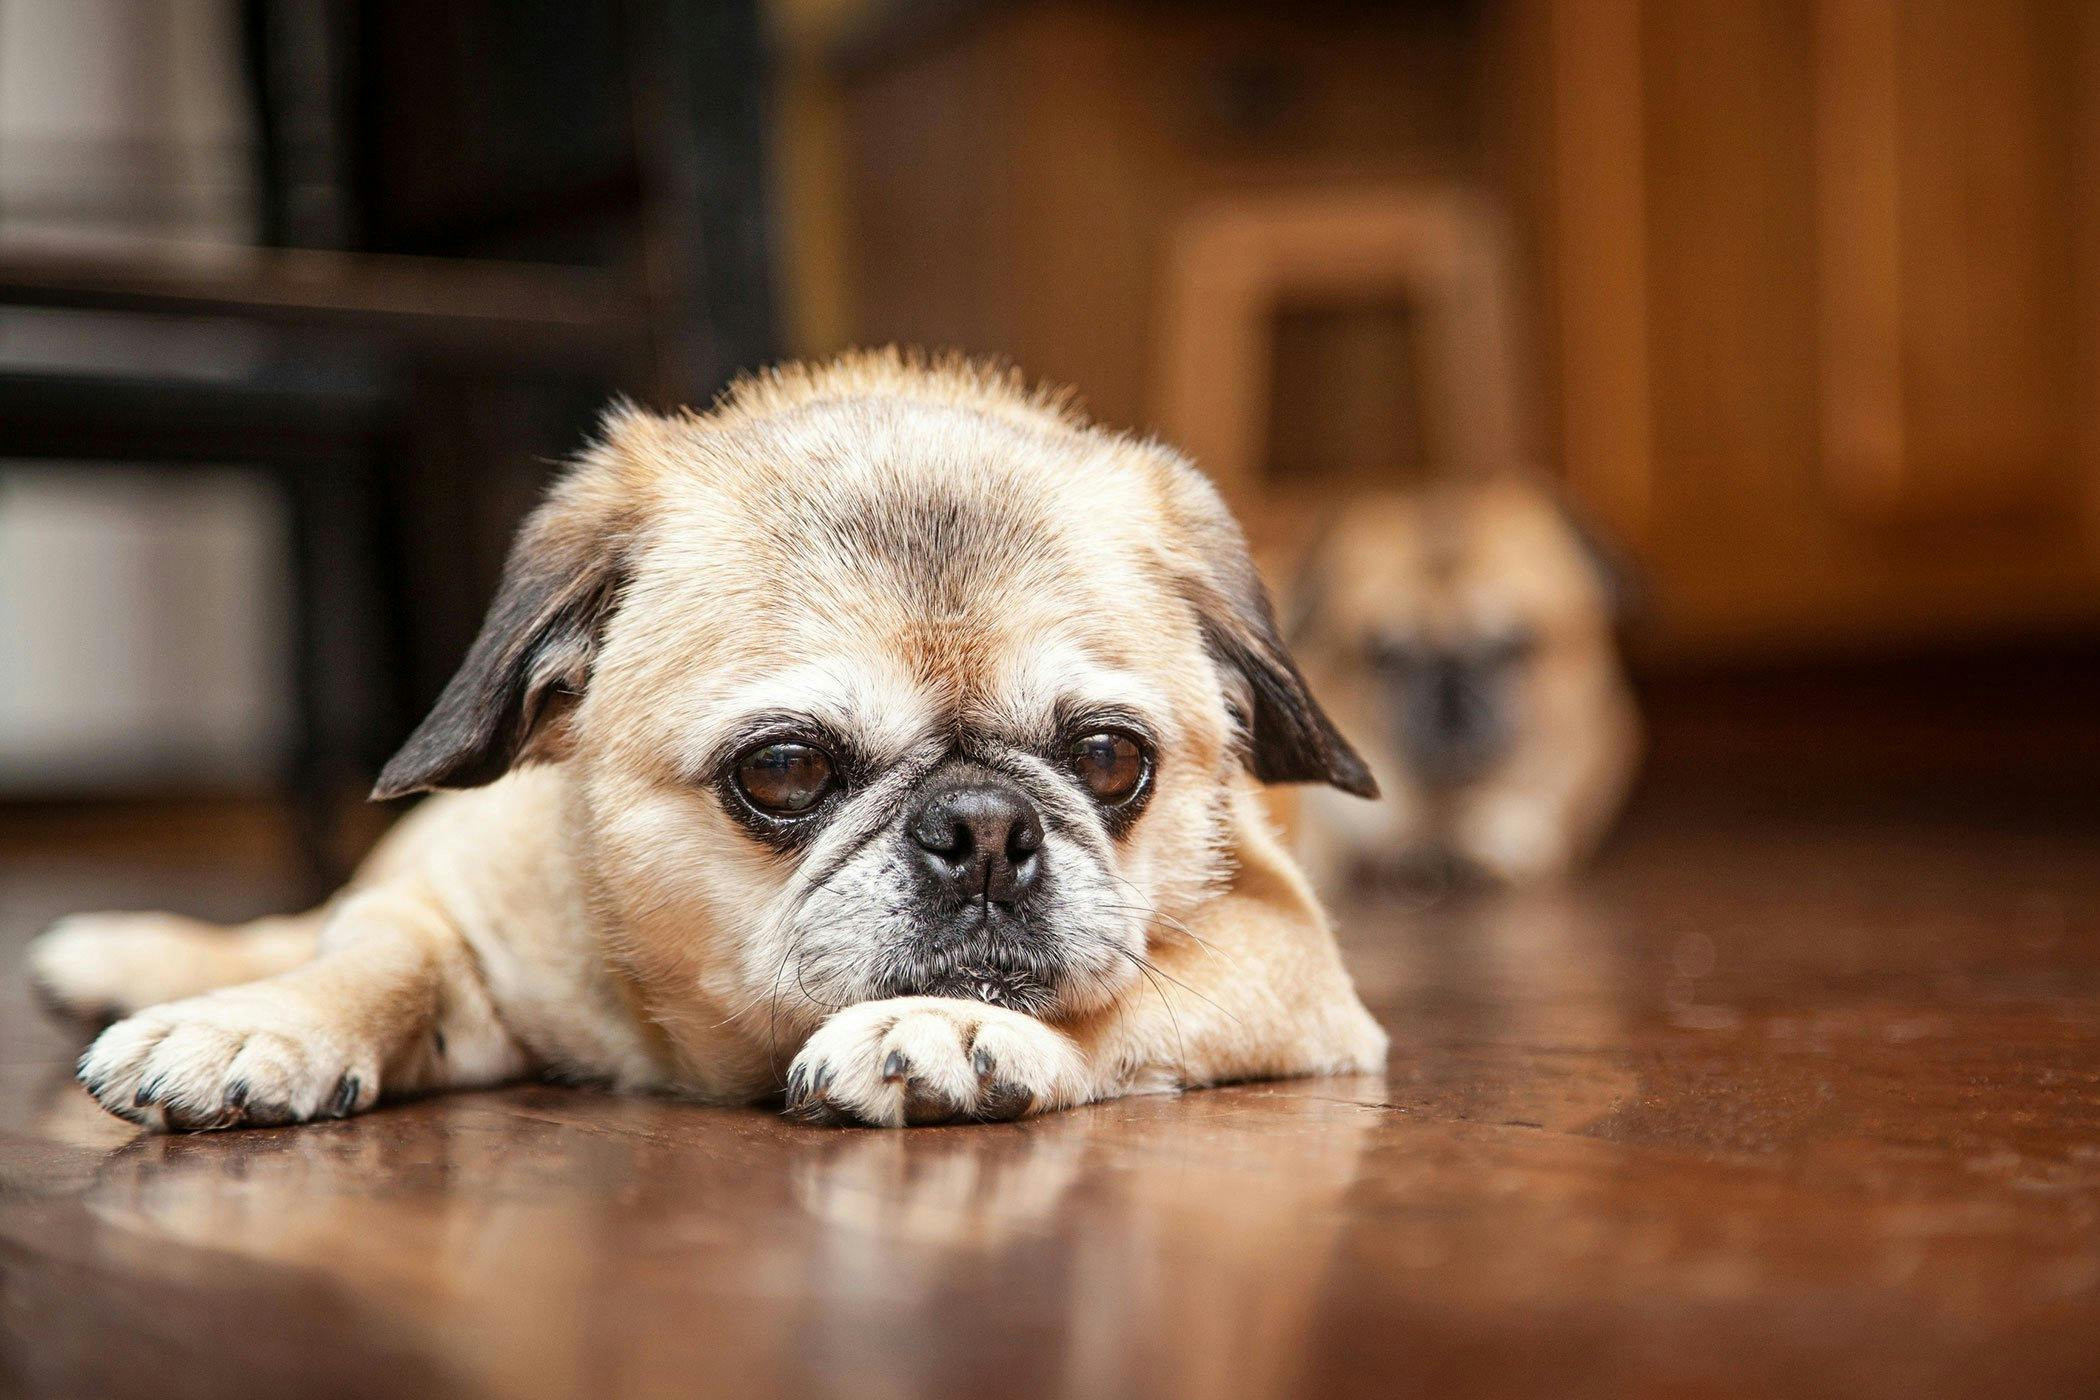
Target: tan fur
[
  {"x": 924, "y": 551},
  {"x": 1447, "y": 564}
]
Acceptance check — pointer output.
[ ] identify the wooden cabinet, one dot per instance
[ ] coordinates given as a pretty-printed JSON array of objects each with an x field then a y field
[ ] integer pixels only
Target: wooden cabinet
[
  {"x": 1017, "y": 174},
  {"x": 1807, "y": 292},
  {"x": 1818, "y": 305}
]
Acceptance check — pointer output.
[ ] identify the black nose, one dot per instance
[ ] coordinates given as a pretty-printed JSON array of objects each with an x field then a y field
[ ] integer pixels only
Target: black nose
[
  {"x": 1455, "y": 720},
  {"x": 979, "y": 838}
]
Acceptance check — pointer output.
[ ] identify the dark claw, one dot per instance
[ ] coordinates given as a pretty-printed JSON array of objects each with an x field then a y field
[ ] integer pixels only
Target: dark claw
[
  {"x": 828, "y": 1114},
  {"x": 895, "y": 1066},
  {"x": 981, "y": 1061},
  {"x": 805, "y": 1096},
  {"x": 149, "y": 1092},
  {"x": 345, "y": 1096},
  {"x": 237, "y": 1095}
]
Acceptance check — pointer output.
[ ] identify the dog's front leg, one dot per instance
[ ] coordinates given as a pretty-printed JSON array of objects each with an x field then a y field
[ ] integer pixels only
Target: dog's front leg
[
  {"x": 1205, "y": 1016},
  {"x": 1254, "y": 988},
  {"x": 391, "y": 1004}
]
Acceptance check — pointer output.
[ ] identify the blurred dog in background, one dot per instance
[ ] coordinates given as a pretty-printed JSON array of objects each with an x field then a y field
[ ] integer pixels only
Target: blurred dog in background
[{"x": 1464, "y": 635}]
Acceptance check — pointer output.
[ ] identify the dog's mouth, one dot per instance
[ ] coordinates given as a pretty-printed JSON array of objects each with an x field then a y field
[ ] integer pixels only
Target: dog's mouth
[
  {"x": 1426, "y": 869},
  {"x": 1014, "y": 990},
  {"x": 976, "y": 975},
  {"x": 980, "y": 953}
]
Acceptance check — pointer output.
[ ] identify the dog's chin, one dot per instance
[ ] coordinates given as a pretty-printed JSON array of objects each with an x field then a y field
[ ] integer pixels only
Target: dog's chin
[
  {"x": 997, "y": 960},
  {"x": 996, "y": 978},
  {"x": 1012, "y": 988}
]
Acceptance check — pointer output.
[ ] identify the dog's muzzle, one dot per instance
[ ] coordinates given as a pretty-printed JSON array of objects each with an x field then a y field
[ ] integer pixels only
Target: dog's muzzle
[{"x": 974, "y": 840}]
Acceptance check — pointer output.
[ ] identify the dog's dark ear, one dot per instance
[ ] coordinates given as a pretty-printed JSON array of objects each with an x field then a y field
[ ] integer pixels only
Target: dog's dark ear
[
  {"x": 533, "y": 655},
  {"x": 1303, "y": 605},
  {"x": 1619, "y": 580},
  {"x": 1289, "y": 738}
]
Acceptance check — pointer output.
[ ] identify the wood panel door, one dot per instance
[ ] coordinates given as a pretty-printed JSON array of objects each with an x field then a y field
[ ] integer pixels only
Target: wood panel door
[{"x": 1819, "y": 305}]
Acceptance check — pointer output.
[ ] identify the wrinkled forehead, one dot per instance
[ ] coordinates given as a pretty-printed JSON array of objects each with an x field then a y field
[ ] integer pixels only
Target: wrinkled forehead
[
  {"x": 874, "y": 695},
  {"x": 907, "y": 584},
  {"x": 1469, "y": 567}
]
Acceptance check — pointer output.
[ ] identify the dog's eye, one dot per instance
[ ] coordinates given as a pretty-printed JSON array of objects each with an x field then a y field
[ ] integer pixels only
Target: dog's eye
[
  {"x": 1111, "y": 765},
  {"x": 1393, "y": 657},
  {"x": 1509, "y": 649},
  {"x": 784, "y": 780}
]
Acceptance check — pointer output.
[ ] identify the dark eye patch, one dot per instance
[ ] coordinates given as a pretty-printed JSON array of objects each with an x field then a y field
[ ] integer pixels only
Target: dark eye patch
[
  {"x": 1509, "y": 648},
  {"x": 1399, "y": 657},
  {"x": 1114, "y": 757},
  {"x": 1395, "y": 656},
  {"x": 779, "y": 775}
]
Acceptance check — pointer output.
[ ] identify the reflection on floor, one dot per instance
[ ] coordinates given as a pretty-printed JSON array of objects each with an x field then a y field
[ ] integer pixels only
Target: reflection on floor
[{"x": 1809, "y": 1107}]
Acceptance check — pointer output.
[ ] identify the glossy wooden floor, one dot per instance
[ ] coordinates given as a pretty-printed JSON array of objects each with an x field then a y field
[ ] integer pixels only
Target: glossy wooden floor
[{"x": 1805, "y": 1106}]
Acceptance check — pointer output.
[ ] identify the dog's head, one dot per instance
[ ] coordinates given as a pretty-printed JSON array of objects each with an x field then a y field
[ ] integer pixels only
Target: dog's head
[
  {"x": 1449, "y": 611},
  {"x": 1466, "y": 634},
  {"x": 881, "y": 680}
]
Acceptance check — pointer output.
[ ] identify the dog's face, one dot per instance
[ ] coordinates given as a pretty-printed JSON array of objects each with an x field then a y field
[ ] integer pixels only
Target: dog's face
[
  {"x": 1465, "y": 634},
  {"x": 880, "y": 682}
]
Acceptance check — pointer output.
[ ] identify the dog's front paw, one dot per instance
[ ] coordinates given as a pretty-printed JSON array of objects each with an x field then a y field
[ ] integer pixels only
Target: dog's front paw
[
  {"x": 242, "y": 1057},
  {"x": 98, "y": 967},
  {"x": 914, "y": 1060}
]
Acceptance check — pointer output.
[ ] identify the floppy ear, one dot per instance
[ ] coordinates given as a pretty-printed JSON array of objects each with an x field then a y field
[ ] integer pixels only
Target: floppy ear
[
  {"x": 533, "y": 655},
  {"x": 1289, "y": 737},
  {"x": 1304, "y": 598},
  {"x": 1619, "y": 579}
]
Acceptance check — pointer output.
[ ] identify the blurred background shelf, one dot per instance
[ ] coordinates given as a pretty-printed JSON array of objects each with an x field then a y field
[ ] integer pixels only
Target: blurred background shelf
[
  {"x": 500, "y": 311},
  {"x": 355, "y": 253}
]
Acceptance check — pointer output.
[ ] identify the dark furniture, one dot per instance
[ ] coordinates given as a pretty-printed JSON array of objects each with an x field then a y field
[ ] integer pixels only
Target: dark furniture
[{"x": 506, "y": 213}]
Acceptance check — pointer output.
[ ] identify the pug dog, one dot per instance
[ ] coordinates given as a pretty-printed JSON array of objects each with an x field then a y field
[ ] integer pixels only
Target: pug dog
[
  {"x": 1466, "y": 633},
  {"x": 888, "y": 738}
]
